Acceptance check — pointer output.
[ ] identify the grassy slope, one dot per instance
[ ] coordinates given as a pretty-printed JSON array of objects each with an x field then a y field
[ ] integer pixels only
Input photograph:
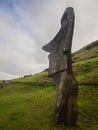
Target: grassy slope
[
  {"x": 86, "y": 71},
  {"x": 87, "y": 52},
  {"x": 85, "y": 64},
  {"x": 28, "y": 103},
  {"x": 39, "y": 79}
]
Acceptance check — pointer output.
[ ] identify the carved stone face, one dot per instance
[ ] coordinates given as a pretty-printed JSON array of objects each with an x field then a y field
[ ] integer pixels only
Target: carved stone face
[
  {"x": 67, "y": 17},
  {"x": 57, "y": 59},
  {"x": 60, "y": 46}
]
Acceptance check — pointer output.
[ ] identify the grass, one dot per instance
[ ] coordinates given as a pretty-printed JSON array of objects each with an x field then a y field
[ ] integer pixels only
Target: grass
[
  {"x": 28, "y": 103},
  {"x": 26, "y": 107},
  {"x": 88, "y": 107},
  {"x": 40, "y": 79},
  {"x": 86, "y": 71},
  {"x": 86, "y": 52}
]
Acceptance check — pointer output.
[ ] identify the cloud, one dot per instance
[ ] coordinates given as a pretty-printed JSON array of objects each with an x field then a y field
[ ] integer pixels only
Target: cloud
[
  {"x": 18, "y": 51},
  {"x": 25, "y": 26}
]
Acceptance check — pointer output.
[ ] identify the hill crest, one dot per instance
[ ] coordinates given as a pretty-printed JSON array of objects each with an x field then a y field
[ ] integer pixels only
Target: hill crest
[{"x": 87, "y": 52}]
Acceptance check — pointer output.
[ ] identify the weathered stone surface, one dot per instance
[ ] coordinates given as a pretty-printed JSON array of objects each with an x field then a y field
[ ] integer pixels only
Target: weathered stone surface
[
  {"x": 60, "y": 68},
  {"x": 60, "y": 46}
]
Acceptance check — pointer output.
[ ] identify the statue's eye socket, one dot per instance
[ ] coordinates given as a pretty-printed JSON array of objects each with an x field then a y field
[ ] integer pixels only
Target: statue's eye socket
[{"x": 65, "y": 52}]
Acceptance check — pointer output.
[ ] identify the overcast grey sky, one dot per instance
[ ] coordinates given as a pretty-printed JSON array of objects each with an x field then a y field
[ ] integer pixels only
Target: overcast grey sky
[{"x": 27, "y": 25}]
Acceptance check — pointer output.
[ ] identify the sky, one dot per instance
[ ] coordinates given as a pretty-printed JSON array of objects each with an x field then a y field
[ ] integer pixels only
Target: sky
[{"x": 27, "y": 25}]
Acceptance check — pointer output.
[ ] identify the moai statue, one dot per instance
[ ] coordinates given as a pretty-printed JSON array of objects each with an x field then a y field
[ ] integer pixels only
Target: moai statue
[{"x": 60, "y": 69}]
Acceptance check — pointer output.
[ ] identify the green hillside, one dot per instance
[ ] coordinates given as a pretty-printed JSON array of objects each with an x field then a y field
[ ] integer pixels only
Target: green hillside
[
  {"x": 87, "y": 52},
  {"x": 85, "y": 64},
  {"x": 28, "y": 103}
]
